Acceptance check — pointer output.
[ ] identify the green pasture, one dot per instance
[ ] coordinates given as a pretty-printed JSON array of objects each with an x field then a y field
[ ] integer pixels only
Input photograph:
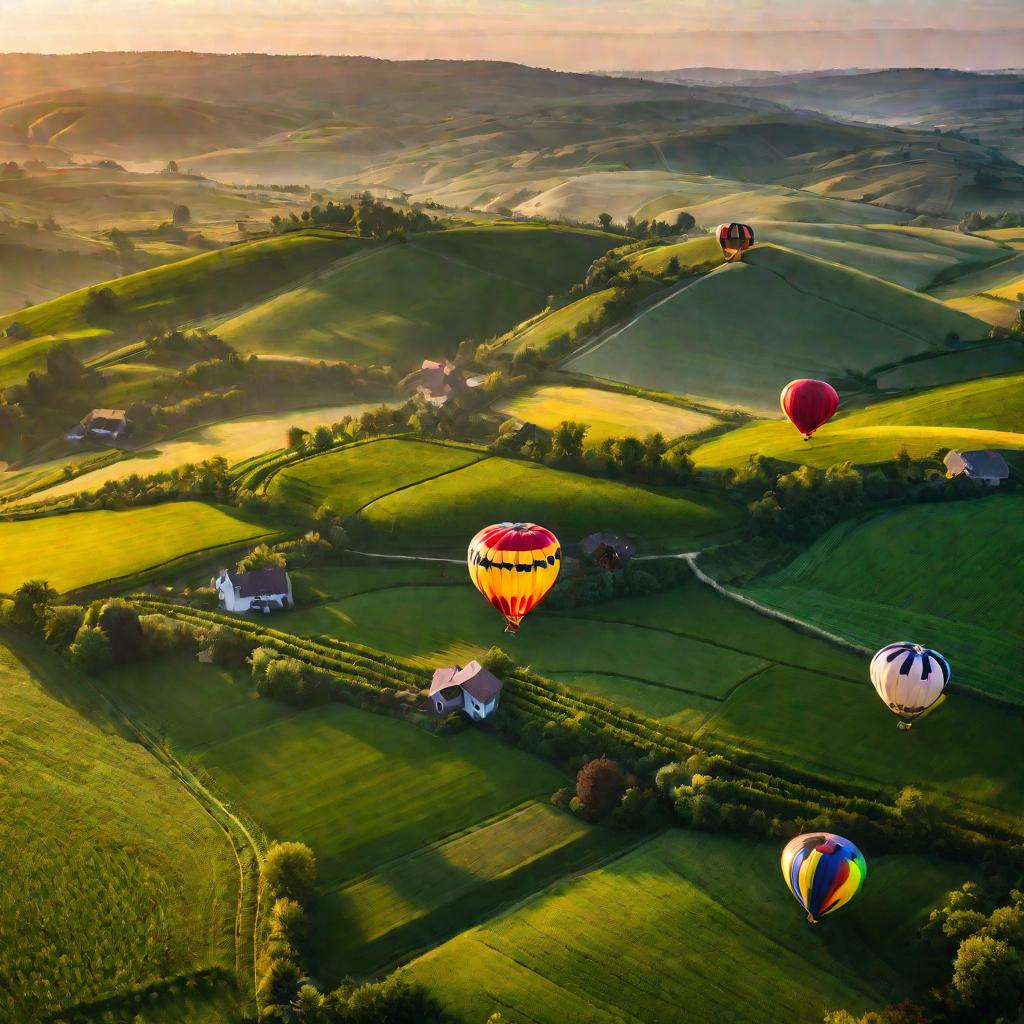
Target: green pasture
[
  {"x": 714, "y": 916},
  {"x": 941, "y": 575},
  {"x": 990, "y": 360},
  {"x": 984, "y": 413},
  {"x": 114, "y": 876},
  {"x": 694, "y": 252},
  {"x": 404, "y": 303},
  {"x": 606, "y": 413},
  {"x": 85, "y": 548},
  {"x": 740, "y": 333},
  {"x": 566, "y": 320}
]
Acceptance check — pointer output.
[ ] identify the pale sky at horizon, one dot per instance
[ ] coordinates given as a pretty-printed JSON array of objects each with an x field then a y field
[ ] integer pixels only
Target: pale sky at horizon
[{"x": 566, "y": 34}]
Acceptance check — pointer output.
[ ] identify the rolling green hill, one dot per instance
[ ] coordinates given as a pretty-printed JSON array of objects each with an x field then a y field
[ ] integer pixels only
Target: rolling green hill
[
  {"x": 114, "y": 876},
  {"x": 985, "y": 413},
  {"x": 404, "y": 303},
  {"x": 939, "y": 575},
  {"x": 675, "y": 899},
  {"x": 203, "y": 286},
  {"x": 740, "y": 333}
]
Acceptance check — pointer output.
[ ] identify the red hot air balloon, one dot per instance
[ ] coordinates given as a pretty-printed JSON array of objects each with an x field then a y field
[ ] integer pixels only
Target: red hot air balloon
[
  {"x": 734, "y": 239},
  {"x": 809, "y": 404}
]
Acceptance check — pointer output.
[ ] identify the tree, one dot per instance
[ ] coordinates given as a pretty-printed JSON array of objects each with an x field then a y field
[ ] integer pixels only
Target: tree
[
  {"x": 296, "y": 437},
  {"x": 567, "y": 440},
  {"x": 599, "y": 786},
  {"x": 684, "y": 221},
  {"x": 31, "y": 601},
  {"x": 280, "y": 983},
  {"x": 289, "y": 870},
  {"x": 99, "y": 303},
  {"x": 172, "y": 167},
  {"x": 497, "y": 662},
  {"x": 181, "y": 216},
  {"x": 988, "y": 974},
  {"x": 63, "y": 622},
  {"x": 323, "y": 438},
  {"x": 393, "y": 1001},
  {"x": 261, "y": 557},
  {"x": 629, "y": 454},
  {"x": 91, "y": 649},
  {"x": 288, "y": 921},
  {"x": 605, "y": 220},
  {"x": 672, "y": 270},
  {"x": 120, "y": 621}
]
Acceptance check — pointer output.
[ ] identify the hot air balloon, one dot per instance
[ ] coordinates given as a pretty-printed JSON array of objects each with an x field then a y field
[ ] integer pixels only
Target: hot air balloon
[
  {"x": 514, "y": 565},
  {"x": 734, "y": 239},
  {"x": 809, "y": 404},
  {"x": 909, "y": 678},
  {"x": 823, "y": 871}
]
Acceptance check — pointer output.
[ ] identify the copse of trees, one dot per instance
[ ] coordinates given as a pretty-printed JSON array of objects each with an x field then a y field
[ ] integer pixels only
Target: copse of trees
[
  {"x": 370, "y": 219},
  {"x": 974, "y": 221},
  {"x": 655, "y": 228}
]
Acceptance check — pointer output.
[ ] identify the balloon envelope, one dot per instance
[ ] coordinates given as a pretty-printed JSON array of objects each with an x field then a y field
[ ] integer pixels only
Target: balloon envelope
[
  {"x": 734, "y": 238},
  {"x": 809, "y": 404},
  {"x": 823, "y": 871},
  {"x": 909, "y": 678},
  {"x": 514, "y": 565}
]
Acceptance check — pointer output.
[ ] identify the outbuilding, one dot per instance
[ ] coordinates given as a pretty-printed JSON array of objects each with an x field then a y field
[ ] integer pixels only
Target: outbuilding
[
  {"x": 260, "y": 590},
  {"x": 987, "y": 467},
  {"x": 472, "y": 689},
  {"x": 608, "y": 550},
  {"x": 106, "y": 425}
]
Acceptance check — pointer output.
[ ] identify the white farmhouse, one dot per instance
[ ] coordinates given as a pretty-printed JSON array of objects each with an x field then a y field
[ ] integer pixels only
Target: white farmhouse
[
  {"x": 987, "y": 467},
  {"x": 471, "y": 689},
  {"x": 262, "y": 590}
]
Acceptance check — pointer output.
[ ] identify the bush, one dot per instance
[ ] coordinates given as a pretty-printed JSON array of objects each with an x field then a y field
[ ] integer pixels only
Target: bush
[
  {"x": 282, "y": 679},
  {"x": 498, "y": 662},
  {"x": 62, "y": 624},
  {"x": 261, "y": 557},
  {"x": 393, "y": 1001},
  {"x": 91, "y": 649},
  {"x": 120, "y": 621},
  {"x": 289, "y": 870},
  {"x": 280, "y": 983},
  {"x": 988, "y": 974},
  {"x": 600, "y": 786}
]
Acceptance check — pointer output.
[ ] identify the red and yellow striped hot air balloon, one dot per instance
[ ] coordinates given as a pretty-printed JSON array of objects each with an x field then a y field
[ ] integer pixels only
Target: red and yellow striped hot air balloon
[
  {"x": 514, "y": 565},
  {"x": 734, "y": 239}
]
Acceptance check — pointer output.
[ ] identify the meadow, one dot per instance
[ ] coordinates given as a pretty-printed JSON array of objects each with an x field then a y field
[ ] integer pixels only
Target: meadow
[
  {"x": 62, "y": 549},
  {"x": 984, "y": 413},
  {"x": 606, "y": 413},
  {"x": 470, "y": 282},
  {"x": 837, "y": 320},
  {"x": 948, "y": 570},
  {"x": 113, "y": 875},
  {"x": 711, "y": 911}
]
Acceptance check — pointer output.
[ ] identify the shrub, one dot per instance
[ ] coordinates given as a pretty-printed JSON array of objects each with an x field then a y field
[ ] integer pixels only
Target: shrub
[
  {"x": 498, "y": 662},
  {"x": 289, "y": 870},
  {"x": 282, "y": 680},
  {"x": 120, "y": 621},
  {"x": 30, "y": 603},
  {"x": 393, "y": 1001},
  {"x": 988, "y": 974},
  {"x": 600, "y": 786},
  {"x": 91, "y": 649},
  {"x": 261, "y": 557},
  {"x": 62, "y": 624},
  {"x": 280, "y": 983}
]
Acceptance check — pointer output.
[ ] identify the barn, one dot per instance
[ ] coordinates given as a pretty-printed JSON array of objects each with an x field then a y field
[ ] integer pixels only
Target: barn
[{"x": 471, "y": 689}]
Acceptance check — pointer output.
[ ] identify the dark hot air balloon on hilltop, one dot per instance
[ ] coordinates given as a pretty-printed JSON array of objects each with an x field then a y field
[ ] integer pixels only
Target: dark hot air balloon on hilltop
[{"x": 734, "y": 239}]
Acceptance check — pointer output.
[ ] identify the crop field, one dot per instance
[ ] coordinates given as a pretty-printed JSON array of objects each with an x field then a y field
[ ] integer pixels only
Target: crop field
[
  {"x": 62, "y": 549},
  {"x": 728, "y": 939},
  {"x": 113, "y": 875},
  {"x": 839, "y": 319},
  {"x": 207, "y": 285},
  {"x": 464, "y": 283},
  {"x": 985, "y": 413},
  {"x": 233, "y": 439},
  {"x": 607, "y": 413},
  {"x": 973, "y": 547}
]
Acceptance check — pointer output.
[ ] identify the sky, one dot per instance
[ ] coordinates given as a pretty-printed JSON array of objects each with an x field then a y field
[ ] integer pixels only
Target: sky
[{"x": 565, "y": 34}]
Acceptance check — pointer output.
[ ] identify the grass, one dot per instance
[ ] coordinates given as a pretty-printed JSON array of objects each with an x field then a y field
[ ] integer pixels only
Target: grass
[
  {"x": 85, "y": 548},
  {"x": 988, "y": 360},
  {"x": 363, "y": 790},
  {"x": 233, "y": 439},
  {"x": 471, "y": 282},
  {"x": 690, "y": 254},
  {"x": 114, "y": 876},
  {"x": 948, "y": 570},
  {"x": 985, "y": 413},
  {"x": 607, "y": 413},
  {"x": 203, "y": 286},
  {"x": 566, "y": 320},
  {"x": 698, "y": 343},
  {"x": 713, "y": 914}
]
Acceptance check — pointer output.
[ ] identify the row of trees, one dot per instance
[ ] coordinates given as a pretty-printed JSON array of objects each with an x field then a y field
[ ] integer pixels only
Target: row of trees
[
  {"x": 974, "y": 221},
  {"x": 370, "y": 219}
]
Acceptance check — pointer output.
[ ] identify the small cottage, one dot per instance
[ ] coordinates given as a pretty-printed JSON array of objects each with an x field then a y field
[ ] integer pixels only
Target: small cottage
[
  {"x": 471, "y": 689},
  {"x": 105, "y": 425},
  {"x": 608, "y": 550},
  {"x": 261, "y": 590},
  {"x": 438, "y": 382},
  {"x": 987, "y": 467}
]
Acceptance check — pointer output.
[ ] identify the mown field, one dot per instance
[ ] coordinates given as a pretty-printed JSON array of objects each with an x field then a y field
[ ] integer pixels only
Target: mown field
[
  {"x": 64, "y": 549},
  {"x": 985, "y": 413},
  {"x": 113, "y": 875},
  {"x": 712, "y": 340},
  {"x": 712, "y": 912},
  {"x": 391, "y": 811},
  {"x": 941, "y": 575},
  {"x": 606, "y": 413},
  {"x": 203, "y": 286},
  {"x": 696, "y": 660},
  {"x": 469, "y": 282}
]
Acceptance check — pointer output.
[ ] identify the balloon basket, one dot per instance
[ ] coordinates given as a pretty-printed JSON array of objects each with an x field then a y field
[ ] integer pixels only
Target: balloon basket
[
  {"x": 904, "y": 726},
  {"x": 812, "y": 920}
]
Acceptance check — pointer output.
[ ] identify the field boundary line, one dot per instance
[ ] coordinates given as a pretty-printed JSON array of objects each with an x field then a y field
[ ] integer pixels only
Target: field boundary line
[
  {"x": 640, "y": 679},
  {"x": 425, "y": 480},
  {"x": 401, "y": 558}
]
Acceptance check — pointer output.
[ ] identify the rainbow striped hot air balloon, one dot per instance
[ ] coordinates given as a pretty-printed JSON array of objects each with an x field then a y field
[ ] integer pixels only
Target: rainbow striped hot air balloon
[
  {"x": 823, "y": 871},
  {"x": 514, "y": 565}
]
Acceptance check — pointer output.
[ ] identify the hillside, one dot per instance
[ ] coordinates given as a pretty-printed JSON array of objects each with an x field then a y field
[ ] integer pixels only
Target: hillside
[
  {"x": 722, "y": 338},
  {"x": 984, "y": 413},
  {"x": 469, "y": 282},
  {"x": 835, "y": 584}
]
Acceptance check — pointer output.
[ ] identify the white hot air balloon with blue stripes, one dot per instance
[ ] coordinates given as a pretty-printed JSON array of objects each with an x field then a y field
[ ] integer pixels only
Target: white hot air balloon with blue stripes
[{"x": 909, "y": 678}]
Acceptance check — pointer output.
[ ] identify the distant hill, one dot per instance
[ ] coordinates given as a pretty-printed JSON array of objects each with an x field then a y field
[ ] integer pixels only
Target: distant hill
[{"x": 739, "y": 333}]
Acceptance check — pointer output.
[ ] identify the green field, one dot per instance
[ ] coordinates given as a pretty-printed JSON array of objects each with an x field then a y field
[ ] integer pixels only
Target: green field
[
  {"x": 715, "y": 340},
  {"x": 113, "y": 875},
  {"x": 364, "y": 791},
  {"x": 712, "y": 913},
  {"x": 566, "y": 320},
  {"x": 85, "y": 548},
  {"x": 203, "y": 286},
  {"x": 985, "y": 413},
  {"x": 990, "y": 360},
  {"x": 465, "y": 283},
  {"x": 606, "y": 413},
  {"x": 694, "y": 252},
  {"x": 948, "y": 571}
]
